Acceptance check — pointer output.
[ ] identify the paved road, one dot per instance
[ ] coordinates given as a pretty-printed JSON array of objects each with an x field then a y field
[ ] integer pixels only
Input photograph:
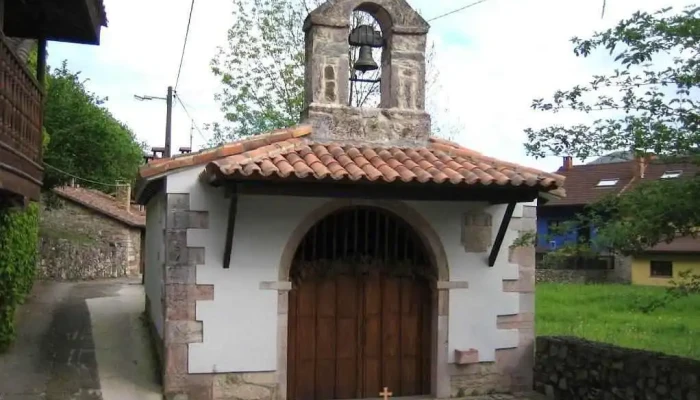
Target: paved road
[{"x": 80, "y": 341}]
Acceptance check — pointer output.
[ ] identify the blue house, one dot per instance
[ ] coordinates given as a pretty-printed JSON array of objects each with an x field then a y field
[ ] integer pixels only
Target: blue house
[{"x": 585, "y": 184}]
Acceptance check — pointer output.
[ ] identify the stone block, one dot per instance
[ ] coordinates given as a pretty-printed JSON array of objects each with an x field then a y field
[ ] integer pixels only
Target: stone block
[
  {"x": 180, "y": 302},
  {"x": 183, "y": 332},
  {"x": 245, "y": 386},
  {"x": 205, "y": 292},
  {"x": 178, "y": 202},
  {"x": 181, "y": 275},
  {"x": 517, "y": 321},
  {"x": 470, "y": 356},
  {"x": 176, "y": 363},
  {"x": 477, "y": 232}
]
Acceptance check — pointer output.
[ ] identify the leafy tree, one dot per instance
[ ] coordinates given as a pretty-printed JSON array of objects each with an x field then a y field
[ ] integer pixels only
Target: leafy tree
[
  {"x": 651, "y": 100},
  {"x": 262, "y": 68},
  {"x": 85, "y": 138}
]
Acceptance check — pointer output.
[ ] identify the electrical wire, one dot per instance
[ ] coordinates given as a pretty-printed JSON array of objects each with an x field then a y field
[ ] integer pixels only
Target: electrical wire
[
  {"x": 79, "y": 178},
  {"x": 457, "y": 10},
  {"x": 179, "y": 100},
  {"x": 184, "y": 46}
]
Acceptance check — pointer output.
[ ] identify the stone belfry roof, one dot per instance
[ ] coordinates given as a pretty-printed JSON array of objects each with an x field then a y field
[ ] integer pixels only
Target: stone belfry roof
[{"x": 390, "y": 145}]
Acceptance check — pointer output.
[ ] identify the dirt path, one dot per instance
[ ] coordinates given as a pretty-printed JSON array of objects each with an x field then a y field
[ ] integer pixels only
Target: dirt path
[{"x": 80, "y": 341}]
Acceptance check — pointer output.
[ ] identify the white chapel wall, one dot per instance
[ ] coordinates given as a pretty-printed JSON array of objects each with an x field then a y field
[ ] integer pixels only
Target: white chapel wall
[
  {"x": 241, "y": 325},
  {"x": 155, "y": 258},
  {"x": 473, "y": 312}
]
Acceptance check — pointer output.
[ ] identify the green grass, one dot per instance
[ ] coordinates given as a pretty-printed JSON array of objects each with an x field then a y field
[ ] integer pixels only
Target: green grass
[{"x": 611, "y": 314}]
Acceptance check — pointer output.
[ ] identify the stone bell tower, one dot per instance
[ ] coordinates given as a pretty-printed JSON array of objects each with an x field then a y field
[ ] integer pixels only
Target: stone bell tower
[{"x": 401, "y": 118}]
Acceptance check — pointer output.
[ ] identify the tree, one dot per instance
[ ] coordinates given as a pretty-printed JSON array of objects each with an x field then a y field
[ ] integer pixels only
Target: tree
[
  {"x": 651, "y": 99},
  {"x": 84, "y": 137},
  {"x": 262, "y": 68}
]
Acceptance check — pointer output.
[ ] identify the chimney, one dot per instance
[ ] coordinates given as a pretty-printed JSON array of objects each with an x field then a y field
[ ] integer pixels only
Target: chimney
[
  {"x": 157, "y": 150},
  {"x": 568, "y": 163},
  {"x": 72, "y": 182},
  {"x": 124, "y": 196}
]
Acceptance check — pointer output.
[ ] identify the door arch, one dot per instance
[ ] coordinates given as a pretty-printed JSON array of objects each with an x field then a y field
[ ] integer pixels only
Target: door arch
[{"x": 360, "y": 310}]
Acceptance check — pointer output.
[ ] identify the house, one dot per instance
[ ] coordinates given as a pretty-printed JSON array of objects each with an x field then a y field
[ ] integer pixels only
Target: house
[
  {"x": 23, "y": 24},
  {"x": 87, "y": 234},
  {"x": 348, "y": 254},
  {"x": 587, "y": 184}
]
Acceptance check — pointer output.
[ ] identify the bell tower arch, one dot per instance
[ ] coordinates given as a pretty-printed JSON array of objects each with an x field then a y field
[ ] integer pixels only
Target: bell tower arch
[{"x": 401, "y": 116}]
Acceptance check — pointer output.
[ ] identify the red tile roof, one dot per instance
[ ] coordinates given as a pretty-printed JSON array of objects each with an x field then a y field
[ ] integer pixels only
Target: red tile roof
[
  {"x": 686, "y": 244},
  {"x": 582, "y": 180},
  {"x": 288, "y": 153},
  {"x": 103, "y": 204}
]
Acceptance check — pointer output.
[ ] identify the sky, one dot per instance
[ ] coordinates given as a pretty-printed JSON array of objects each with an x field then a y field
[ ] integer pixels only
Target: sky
[{"x": 493, "y": 60}]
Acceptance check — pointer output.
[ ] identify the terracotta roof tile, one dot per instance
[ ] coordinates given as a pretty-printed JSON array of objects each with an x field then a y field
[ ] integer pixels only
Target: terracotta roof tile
[
  {"x": 291, "y": 153},
  {"x": 103, "y": 204}
]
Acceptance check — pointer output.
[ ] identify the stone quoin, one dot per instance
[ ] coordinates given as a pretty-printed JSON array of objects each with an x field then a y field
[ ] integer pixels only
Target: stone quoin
[{"x": 349, "y": 254}]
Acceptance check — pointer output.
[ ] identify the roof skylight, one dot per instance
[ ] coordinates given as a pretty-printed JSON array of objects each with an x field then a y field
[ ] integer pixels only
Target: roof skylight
[
  {"x": 671, "y": 174},
  {"x": 608, "y": 182}
]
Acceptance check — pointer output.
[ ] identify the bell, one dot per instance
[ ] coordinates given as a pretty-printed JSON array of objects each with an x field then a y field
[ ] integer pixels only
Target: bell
[{"x": 365, "y": 62}]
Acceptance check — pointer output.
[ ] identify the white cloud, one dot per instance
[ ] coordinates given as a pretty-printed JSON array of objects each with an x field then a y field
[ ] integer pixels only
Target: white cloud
[{"x": 494, "y": 58}]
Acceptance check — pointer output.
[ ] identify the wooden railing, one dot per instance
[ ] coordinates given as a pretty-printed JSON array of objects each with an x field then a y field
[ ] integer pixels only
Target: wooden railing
[{"x": 21, "y": 111}]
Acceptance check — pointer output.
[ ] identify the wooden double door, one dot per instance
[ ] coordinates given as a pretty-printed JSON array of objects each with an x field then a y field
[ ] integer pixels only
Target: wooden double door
[{"x": 351, "y": 336}]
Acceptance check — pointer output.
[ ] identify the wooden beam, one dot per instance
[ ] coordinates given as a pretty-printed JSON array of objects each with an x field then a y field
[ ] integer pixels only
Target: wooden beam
[
  {"x": 396, "y": 191},
  {"x": 501, "y": 234},
  {"x": 230, "y": 228},
  {"x": 41, "y": 64}
]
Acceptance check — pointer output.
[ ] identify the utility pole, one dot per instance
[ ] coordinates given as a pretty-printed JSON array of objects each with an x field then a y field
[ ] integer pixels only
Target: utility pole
[
  {"x": 191, "y": 132},
  {"x": 169, "y": 118},
  {"x": 169, "y": 123}
]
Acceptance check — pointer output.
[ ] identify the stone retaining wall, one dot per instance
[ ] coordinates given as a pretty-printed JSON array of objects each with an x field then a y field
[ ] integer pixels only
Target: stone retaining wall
[
  {"x": 572, "y": 369},
  {"x": 80, "y": 244},
  {"x": 574, "y": 276}
]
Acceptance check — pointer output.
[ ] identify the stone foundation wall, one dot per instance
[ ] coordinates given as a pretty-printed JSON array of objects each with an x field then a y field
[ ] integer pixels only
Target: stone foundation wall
[
  {"x": 572, "y": 369},
  {"x": 574, "y": 276}
]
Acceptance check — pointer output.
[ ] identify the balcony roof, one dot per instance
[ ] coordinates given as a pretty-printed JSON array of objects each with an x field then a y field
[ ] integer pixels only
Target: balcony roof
[{"x": 75, "y": 21}]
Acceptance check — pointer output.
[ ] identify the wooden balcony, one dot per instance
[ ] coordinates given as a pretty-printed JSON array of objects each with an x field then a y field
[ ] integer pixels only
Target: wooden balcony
[{"x": 21, "y": 109}]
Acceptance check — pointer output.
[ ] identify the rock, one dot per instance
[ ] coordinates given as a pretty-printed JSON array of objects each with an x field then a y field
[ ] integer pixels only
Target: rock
[{"x": 562, "y": 384}]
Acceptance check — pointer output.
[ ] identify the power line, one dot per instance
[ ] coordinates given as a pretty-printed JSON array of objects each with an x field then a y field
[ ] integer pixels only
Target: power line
[
  {"x": 184, "y": 46},
  {"x": 79, "y": 178},
  {"x": 457, "y": 10},
  {"x": 190, "y": 116}
]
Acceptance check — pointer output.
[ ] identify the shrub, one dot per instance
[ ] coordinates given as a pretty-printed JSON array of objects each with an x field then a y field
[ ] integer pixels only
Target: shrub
[{"x": 19, "y": 235}]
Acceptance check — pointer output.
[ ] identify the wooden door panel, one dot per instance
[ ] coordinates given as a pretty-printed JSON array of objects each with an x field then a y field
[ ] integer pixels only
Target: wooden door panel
[
  {"x": 347, "y": 350},
  {"x": 306, "y": 343},
  {"x": 325, "y": 339},
  {"x": 371, "y": 335},
  {"x": 351, "y": 336},
  {"x": 391, "y": 333}
]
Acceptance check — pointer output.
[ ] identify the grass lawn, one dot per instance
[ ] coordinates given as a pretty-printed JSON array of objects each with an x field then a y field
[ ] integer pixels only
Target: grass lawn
[{"x": 611, "y": 314}]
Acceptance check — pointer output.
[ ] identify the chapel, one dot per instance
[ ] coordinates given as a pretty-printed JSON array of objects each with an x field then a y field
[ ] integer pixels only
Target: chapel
[{"x": 351, "y": 255}]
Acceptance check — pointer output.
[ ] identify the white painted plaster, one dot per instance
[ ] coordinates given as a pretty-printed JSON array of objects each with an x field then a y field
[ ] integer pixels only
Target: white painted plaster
[
  {"x": 241, "y": 324},
  {"x": 473, "y": 312},
  {"x": 155, "y": 258}
]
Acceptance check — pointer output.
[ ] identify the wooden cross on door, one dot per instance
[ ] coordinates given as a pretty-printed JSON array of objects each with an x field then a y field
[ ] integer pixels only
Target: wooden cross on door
[{"x": 386, "y": 393}]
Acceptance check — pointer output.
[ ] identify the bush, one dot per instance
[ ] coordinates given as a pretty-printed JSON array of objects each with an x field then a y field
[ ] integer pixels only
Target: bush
[{"x": 19, "y": 236}]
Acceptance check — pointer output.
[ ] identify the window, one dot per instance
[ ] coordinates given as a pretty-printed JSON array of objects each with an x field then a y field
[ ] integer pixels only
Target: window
[
  {"x": 608, "y": 182},
  {"x": 671, "y": 174},
  {"x": 662, "y": 269}
]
